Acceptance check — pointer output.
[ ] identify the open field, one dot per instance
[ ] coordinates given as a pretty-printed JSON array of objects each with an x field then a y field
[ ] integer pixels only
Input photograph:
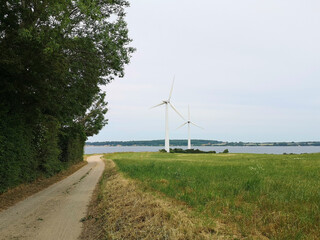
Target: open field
[
  {"x": 120, "y": 209},
  {"x": 277, "y": 196}
]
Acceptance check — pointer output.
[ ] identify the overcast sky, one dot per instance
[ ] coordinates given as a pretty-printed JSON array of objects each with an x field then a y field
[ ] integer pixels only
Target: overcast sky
[{"x": 249, "y": 69}]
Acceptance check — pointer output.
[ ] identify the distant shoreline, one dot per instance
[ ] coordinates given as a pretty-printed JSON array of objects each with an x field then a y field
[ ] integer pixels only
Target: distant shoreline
[
  {"x": 87, "y": 145},
  {"x": 199, "y": 143}
]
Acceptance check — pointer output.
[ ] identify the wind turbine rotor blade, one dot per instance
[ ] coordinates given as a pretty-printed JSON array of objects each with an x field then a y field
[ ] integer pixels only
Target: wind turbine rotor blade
[
  {"x": 157, "y": 105},
  {"x": 176, "y": 111},
  {"x": 182, "y": 125},
  {"x": 171, "y": 89},
  {"x": 188, "y": 112},
  {"x": 196, "y": 125}
]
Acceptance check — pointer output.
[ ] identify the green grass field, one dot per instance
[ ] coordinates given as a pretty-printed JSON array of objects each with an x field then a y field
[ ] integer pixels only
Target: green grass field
[{"x": 276, "y": 195}]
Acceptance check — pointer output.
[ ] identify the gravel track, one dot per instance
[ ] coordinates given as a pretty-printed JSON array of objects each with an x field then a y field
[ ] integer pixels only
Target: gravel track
[{"x": 56, "y": 212}]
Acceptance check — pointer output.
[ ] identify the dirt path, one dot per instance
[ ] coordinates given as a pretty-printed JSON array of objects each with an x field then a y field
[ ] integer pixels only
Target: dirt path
[{"x": 56, "y": 212}]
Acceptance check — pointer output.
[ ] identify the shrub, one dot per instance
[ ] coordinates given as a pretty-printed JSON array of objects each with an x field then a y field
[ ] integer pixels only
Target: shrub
[
  {"x": 180, "y": 150},
  {"x": 225, "y": 151}
]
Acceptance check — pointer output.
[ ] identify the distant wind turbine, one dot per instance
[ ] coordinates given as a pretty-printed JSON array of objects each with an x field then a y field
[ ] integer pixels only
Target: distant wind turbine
[
  {"x": 167, "y": 103},
  {"x": 189, "y": 122}
]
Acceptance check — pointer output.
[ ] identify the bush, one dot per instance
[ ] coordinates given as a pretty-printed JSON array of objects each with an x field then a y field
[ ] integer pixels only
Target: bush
[
  {"x": 225, "y": 151},
  {"x": 180, "y": 150},
  {"x": 17, "y": 154},
  {"x": 47, "y": 146},
  {"x": 30, "y": 150}
]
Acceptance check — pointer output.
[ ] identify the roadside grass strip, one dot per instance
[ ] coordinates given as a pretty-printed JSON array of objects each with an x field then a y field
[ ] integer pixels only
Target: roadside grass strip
[
  {"x": 121, "y": 210},
  {"x": 262, "y": 195}
]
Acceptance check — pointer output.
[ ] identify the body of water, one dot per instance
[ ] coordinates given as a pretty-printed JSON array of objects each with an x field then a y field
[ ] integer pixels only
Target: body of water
[{"x": 232, "y": 149}]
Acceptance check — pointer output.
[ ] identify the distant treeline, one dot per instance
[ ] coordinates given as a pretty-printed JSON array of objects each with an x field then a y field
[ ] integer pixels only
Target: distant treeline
[
  {"x": 154, "y": 143},
  {"x": 198, "y": 142}
]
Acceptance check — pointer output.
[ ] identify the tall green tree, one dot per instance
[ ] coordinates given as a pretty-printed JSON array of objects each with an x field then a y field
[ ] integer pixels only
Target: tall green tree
[{"x": 54, "y": 56}]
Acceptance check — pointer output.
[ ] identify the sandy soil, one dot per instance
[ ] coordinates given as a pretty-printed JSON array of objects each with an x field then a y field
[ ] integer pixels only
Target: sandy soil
[
  {"x": 56, "y": 212},
  {"x": 25, "y": 190}
]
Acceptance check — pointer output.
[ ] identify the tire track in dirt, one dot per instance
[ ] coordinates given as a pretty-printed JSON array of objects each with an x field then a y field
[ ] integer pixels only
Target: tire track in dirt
[{"x": 56, "y": 212}]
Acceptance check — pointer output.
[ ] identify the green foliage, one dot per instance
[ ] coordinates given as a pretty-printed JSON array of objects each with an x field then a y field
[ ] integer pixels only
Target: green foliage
[
  {"x": 72, "y": 143},
  {"x": 180, "y": 150},
  {"x": 225, "y": 151},
  {"x": 276, "y": 195},
  {"x": 198, "y": 142},
  {"x": 54, "y": 56},
  {"x": 174, "y": 142},
  {"x": 94, "y": 120},
  {"x": 17, "y": 155},
  {"x": 46, "y": 143}
]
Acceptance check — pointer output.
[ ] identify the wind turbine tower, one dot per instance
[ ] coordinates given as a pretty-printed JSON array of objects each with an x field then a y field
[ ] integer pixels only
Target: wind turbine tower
[
  {"x": 168, "y": 103},
  {"x": 189, "y": 122}
]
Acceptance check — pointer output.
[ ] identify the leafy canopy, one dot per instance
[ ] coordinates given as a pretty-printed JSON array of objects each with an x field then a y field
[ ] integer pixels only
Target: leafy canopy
[{"x": 55, "y": 54}]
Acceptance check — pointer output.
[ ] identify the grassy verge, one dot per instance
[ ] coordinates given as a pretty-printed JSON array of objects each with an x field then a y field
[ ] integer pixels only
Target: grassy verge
[
  {"x": 120, "y": 210},
  {"x": 276, "y": 196},
  {"x": 21, "y": 192}
]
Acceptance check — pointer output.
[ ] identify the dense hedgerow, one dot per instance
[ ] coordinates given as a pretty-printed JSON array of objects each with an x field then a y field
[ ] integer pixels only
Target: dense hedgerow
[{"x": 54, "y": 56}]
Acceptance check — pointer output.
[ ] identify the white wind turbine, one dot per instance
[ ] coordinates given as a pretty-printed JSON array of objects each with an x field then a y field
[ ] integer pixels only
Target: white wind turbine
[
  {"x": 167, "y": 103},
  {"x": 189, "y": 122}
]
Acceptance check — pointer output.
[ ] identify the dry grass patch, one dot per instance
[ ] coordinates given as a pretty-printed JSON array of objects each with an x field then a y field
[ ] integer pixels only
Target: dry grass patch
[
  {"x": 263, "y": 195},
  {"x": 120, "y": 210},
  {"x": 21, "y": 192}
]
